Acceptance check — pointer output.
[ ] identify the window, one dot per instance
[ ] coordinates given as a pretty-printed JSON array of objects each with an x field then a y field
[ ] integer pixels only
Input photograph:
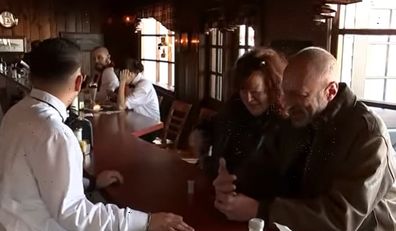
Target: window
[
  {"x": 246, "y": 39},
  {"x": 367, "y": 49},
  {"x": 157, "y": 53},
  {"x": 216, "y": 64},
  {"x": 219, "y": 52}
]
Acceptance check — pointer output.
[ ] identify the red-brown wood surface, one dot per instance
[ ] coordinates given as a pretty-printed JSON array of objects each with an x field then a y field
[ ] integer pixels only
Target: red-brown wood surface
[
  {"x": 127, "y": 123},
  {"x": 155, "y": 179}
]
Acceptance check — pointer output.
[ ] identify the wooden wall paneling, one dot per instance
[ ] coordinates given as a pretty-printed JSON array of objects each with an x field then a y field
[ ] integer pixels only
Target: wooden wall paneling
[
  {"x": 60, "y": 21},
  {"x": 52, "y": 17},
  {"x": 70, "y": 21},
  {"x": 77, "y": 14},
  {"x": 44, "y": 20},
  {"x": 17, "y": 30},
  {"x": 25, "y": 17},
  {"x": 34, "y": 21},
  {"x": 85, "y": 21}
]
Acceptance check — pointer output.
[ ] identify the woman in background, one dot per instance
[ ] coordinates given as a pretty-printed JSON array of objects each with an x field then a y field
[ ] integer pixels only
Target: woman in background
[{"x": 136, "y": 92}]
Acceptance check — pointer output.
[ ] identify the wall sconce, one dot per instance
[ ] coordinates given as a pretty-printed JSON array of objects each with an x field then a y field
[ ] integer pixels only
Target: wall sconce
[
  {"x": 184, "y": 40},
  {"x": 128, "y": 19},
  {"x": 188, "y": 40}
]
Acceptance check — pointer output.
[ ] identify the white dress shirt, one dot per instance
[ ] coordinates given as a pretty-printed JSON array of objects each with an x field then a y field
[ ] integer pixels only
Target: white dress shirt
[
  {"x": 109, "y": 83},
  {"x": 41, "y": 174},
  {"x": 143, "y": 99}
]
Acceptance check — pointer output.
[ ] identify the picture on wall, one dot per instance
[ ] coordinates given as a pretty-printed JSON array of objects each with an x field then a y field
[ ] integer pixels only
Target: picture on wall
[{"x": 12, "y": 45}]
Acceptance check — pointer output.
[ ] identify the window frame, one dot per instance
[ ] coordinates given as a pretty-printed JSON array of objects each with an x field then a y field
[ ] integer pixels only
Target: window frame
[
  {"x": 171, "y": 64},
  {"x": 358, "y": 80}
]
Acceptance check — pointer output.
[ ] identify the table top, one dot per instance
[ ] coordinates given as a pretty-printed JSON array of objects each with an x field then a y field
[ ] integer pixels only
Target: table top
[
  {"x": 128, "y": 122},
  {"x": 155, "y": 179}
]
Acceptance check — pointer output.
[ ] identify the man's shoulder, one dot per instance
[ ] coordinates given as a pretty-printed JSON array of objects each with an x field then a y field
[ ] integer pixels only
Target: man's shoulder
[{"x": 365, "y": 120}]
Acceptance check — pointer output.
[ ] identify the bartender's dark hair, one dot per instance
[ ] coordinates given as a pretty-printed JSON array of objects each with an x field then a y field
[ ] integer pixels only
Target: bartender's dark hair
[
  {"x": 54, "y": 60},
  {"x": 133, "y": 65}
]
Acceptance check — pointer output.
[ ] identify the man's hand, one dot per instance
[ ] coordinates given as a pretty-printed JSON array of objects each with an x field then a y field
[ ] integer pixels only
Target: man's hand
[
  {"x": 167, "y": 222},
  {"x": 108, "y": 177},
  {"x": 125, "y": 76},
  {"x": 238, "y": 208}
]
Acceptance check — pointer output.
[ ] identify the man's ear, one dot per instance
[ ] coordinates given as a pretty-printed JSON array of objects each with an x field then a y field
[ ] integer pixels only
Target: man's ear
[
  {"x": 332, "y": 90},
  {"x": 78, "y": 82}
]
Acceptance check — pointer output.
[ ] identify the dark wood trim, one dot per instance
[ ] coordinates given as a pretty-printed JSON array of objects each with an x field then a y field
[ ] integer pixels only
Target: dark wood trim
[
  {"x": 157, "y": 35},
  {"x": 158, "y": 61},
  {"x": 368, "y": 31},
  {"x": 372, "y": 103},
  {"x": 335, "y": 32}
]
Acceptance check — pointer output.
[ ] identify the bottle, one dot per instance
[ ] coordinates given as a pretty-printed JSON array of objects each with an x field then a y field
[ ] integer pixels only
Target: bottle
[
  {"x": 256, "y": 224},
  {"x": 1, "y": 65}
]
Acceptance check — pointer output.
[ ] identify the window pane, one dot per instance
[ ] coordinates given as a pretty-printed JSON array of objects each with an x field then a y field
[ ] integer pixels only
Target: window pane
[
  {"x": 220, "y": 60},
  {"x": 379, "y": 18},
  {"x": 172, "y": 44},
  {"x": 251, "y": 36},
  {"x": 213, "y": 60},
  {"x": 347, "y": 57},
  {"x": 150, "y": 70},
  {"x": 392, "y": 62},
  {"x": 220, "y": 38},
  {"x": 213, "y": 35},
  {"x": 219, "y": 88},
  {"x": 172, "y": 84},
  {"x": 148, "y": 26},
  {"x": 376, "y": 60},
  {"x": 378, "y": 39},
  {"x": 163, "y": 78},
  {"x": 374, "y": 89},
  {"x": 390, "y": 95},
  {"x": 393, "y": 37},
  {"x": 368, "y": 14},
  {"x": 393, "y": 23},
  {"x": 242, "y": 33},
  {"x": 149, "y": 47},
  {"x": 350, "y": 16},
  {"x": 241, "y": 52},
  {"x": 213, "y": 86}
]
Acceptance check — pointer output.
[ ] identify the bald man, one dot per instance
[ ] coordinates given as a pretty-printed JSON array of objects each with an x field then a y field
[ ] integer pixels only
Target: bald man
[
  {"x": 335, "y": 157},
  {"x": 107, "y": 80}
]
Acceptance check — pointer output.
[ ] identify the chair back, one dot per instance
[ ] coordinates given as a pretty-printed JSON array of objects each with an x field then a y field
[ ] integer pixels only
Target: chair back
[{"x": 175, "y": 122}]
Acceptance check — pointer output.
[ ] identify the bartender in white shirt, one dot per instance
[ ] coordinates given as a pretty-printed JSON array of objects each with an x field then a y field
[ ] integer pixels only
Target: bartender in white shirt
[
  {"x": 107, "y": 80},
  {"x": 41, "y": 161},
  {"x": 136, "y": 92}
]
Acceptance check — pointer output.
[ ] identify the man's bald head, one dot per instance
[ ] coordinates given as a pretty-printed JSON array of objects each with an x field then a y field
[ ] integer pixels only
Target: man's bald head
[
  {"x": 101, "y": 57},
  {"x": 318, "y": 62},
  {"x": 309, "y": 84}
]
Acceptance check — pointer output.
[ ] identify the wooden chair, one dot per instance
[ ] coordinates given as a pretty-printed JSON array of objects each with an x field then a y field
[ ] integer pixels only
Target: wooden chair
[{"x": 174, "y": 125}]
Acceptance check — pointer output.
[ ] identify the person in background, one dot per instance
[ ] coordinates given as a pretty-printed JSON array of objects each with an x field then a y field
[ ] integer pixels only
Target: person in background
[
  {"x": 337, "y": 150},
  {"x": 41, "y": 165},
  {"x": 246, "y": 124},
  {"x": 136, "y": 92},
  {"x": 106, "y": 80}
]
